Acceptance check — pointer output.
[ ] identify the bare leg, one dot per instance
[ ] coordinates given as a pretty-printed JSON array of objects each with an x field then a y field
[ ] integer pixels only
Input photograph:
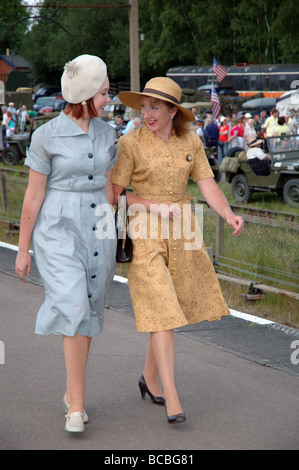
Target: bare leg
[
  {"x": 150, "y": 372},
  {"x": 162, "y": 344},
  {"x": 76, "y": 351}
]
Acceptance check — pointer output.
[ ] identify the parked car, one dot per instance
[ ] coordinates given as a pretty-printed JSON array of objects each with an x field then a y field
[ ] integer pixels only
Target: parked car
[
  {"x": 18, "y": 142},
  {"x": 48, "y": 104},
  {"x": 57, "y": 105},
  {"x": 283, "y": 177},
  {"x": 47, "y": 91},
  {"x": 112, "y": 109}
]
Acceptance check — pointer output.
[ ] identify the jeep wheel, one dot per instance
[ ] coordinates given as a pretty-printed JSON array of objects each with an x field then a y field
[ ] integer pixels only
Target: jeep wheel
[
  {"x": 240, "y": 189},
  {"x": 291, "y": 192},
  {"x": 10, "y": 155}
]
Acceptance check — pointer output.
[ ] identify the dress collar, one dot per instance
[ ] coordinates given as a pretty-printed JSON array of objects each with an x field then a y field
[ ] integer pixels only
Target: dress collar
[{"x": 67, "y": 127}]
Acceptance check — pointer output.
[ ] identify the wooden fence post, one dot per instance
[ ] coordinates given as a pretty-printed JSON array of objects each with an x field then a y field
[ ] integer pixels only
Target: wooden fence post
[{"x": 3, "y": 192}]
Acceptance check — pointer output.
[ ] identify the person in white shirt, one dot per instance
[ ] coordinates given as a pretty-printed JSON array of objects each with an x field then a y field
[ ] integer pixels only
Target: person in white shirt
[
  {"x": 23, "y": 118},
  {"x": 249, "y": 133},
  {"x": 271, "y": 123},
  {"x": 258, "y": 160},
  {"x": 12, "y": 109}
]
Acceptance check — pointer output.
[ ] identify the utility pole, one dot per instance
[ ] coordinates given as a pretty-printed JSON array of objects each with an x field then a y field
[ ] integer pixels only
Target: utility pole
[{"x": 134, "y": 47}]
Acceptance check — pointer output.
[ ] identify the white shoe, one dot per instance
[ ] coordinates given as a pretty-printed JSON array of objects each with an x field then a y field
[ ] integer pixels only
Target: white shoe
[
  {"x": 67, "y": 407},
  {"x": 74, "y": 422}
]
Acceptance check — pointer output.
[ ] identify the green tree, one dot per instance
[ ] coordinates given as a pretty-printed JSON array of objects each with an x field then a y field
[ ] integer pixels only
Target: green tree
[
  {"x": 60, "y": 34},
  {"x": 12, "y": 26},
  {"x": 287, "y": 32},
  {"x": 176, "y": 32}
]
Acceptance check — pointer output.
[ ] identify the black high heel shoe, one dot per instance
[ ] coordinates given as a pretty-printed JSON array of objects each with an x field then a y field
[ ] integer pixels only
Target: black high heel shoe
[
  {"x": 144, "y": 390},
  {"x": 175, "y": 419}
]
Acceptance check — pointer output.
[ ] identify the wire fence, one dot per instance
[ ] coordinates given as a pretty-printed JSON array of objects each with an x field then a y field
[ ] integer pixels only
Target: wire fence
[{"x": 267, "y": 251}]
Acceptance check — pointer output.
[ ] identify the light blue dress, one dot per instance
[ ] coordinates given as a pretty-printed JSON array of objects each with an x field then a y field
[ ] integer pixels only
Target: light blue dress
[{"x": 75, "y": 264}]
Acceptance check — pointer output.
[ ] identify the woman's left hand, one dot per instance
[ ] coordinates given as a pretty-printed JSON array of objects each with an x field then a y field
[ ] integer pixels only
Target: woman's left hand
[{"x": 237, "y": 222}]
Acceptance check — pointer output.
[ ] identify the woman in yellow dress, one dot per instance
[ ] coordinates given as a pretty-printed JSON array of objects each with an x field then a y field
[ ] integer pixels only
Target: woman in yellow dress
[{"x": 171, "y": 279}]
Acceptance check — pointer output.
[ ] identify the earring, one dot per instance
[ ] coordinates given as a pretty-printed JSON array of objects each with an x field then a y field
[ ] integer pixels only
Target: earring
[
  {"x": 83, "y": 103},
  {"x": 171, "y": 117}
]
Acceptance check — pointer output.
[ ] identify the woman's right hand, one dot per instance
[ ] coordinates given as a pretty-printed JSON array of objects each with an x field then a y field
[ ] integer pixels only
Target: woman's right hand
[{"x": 23, "y": 265}]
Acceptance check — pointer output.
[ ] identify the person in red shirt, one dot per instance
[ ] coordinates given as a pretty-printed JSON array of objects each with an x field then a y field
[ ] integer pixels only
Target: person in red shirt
[{"x": 223, "y": 138}]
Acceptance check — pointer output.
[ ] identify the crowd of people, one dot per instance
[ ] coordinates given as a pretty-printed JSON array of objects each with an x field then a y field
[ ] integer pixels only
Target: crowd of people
[
  {"x": 11, "y": 119},
  {"x": 232, "y": 130}
]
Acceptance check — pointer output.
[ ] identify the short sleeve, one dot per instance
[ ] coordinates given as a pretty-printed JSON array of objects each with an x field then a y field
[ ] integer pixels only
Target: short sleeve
[
  {"x": 113, "y": 160},
  {"x": 36, "y": 156},
  {"x": 201, "y": 168},
  {"x": 124, "y": 166}
]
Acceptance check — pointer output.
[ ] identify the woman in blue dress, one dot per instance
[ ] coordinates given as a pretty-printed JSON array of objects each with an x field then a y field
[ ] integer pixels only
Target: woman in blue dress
[{"x": 71, "y": 159}]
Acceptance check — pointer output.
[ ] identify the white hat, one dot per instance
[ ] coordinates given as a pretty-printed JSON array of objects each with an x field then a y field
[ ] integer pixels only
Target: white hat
[
  {"x": 248, "y": 115},
  {"x": 222, "y": 119},
  {"x": 82, "y": 78}
]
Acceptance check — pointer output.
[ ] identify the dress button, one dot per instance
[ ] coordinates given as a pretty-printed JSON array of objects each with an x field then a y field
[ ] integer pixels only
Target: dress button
[
  {"x": 93, "y": 276},
  {"x": 94, "y": 228},
  {"x": 95, "y": 253},
  {"x": 90, "y": 177},
  {"x": 89, "y": 296},
  {"x": 92, "y": 205},
  {"x": 170, "y": 192},
  {"x": 90, "y": 155},
  {"x": 170, "y": 184}
]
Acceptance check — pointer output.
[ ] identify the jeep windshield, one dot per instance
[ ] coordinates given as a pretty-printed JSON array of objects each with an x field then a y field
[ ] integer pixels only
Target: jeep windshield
[{"x": 283, "y": 147}]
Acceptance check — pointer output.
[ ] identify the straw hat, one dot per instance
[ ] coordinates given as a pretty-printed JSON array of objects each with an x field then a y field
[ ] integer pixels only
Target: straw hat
[
  {"x": 162, "y": 88},
  {"x": 253, "y": 142},
  {"x": 82, "y": 78}
]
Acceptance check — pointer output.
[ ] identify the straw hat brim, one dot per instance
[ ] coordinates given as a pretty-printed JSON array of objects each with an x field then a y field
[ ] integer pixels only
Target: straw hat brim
[{"x": 133, "y": 100}]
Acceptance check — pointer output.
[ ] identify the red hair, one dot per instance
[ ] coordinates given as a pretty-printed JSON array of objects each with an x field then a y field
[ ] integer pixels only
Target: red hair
[{"x": 77, "y": 110}]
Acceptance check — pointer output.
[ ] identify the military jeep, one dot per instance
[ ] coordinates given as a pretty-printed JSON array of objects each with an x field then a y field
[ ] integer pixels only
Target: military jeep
[
  {"x": 211, "y": 153},
  {"x": 19, "y": 141},
  {"x": 283, "y": 177}
]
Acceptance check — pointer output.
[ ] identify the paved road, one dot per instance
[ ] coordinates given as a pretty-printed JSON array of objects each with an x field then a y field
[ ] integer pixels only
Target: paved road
[{"x": 236, "y": 379}]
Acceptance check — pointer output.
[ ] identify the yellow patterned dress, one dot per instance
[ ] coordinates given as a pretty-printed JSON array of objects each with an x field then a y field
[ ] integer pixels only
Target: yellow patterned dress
[{"x": 172, "y": 281}]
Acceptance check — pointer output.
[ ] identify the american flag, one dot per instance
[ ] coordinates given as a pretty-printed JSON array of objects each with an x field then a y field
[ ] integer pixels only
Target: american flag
[
  {"x": 219, "y": 70},
  {"x": 216, "y": 108}
]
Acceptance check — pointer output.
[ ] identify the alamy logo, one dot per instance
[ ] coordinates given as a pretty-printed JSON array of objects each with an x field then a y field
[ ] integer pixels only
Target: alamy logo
[
  {"x": 295, "y": 354},
  {"x": 182, "y": 225},
  {"x": 2, "y": 353}
]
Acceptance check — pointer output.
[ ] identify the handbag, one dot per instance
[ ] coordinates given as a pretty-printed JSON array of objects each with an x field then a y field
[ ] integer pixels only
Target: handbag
[{"x": 124, "y": 244}]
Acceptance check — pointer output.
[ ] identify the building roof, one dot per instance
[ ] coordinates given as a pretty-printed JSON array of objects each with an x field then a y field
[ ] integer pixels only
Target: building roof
[{"x": 15, "y": 61}]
